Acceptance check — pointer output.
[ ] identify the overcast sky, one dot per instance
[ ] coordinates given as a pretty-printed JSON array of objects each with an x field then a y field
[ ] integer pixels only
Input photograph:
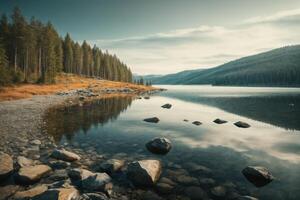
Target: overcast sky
[{"x": 166, "y": 36}]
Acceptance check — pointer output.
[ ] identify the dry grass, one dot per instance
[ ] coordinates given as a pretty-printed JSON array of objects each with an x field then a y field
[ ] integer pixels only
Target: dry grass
[{"x": 64, "y": 82}]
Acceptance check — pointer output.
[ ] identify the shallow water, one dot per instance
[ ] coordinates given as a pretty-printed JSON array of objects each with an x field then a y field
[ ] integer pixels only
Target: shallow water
[{"x": 114, "y": 127}]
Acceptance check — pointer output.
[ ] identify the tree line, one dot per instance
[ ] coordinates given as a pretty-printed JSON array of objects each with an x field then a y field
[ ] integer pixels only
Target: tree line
[{"x": 31, "y": 51}]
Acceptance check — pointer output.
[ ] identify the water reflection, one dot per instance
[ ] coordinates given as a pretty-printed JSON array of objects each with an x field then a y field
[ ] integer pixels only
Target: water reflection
[
  {"x": 277, "y": 106},
  {"x": 102, "y": 128},
  {"x": 66, "y": 121}
]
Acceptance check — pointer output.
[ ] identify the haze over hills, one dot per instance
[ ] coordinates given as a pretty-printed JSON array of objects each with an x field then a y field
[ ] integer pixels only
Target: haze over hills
[{"x": 278, "y": 67}]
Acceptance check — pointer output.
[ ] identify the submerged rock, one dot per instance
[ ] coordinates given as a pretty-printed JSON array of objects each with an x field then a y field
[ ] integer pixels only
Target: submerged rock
[
  {"x": 164, "y": 188},
  {"x": 246, "y": 198},
  {"x": 195, "y": 193},
  {"x": 62, "y": 154},
  {"x": 112, "y": 165},
  {"x": 32, "y": 174},
  {"x": 167, "y": 106},
  {"x": 152, "y": 120},
  {"x": 257, "y": 175},
  {"x": 218, "y": 191},
  {"x": 144, "y": 172},
  {"x": 220, "y": 121},
  {"x": 241, "y": 124},
  {"x": 6, "y": 166},
  {"x": 159, "y": 145},
  {"x": 197, "y": 123}
]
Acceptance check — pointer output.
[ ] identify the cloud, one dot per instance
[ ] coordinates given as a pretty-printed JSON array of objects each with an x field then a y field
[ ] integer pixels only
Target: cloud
[{"x": 205, "y": 46}]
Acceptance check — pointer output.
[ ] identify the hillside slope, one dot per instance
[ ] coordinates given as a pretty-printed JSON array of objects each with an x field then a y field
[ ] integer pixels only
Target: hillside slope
[{"x": 278, "y": 67}]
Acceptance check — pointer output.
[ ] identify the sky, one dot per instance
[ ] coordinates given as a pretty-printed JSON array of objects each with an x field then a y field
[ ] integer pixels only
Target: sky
[{"x": 167, "y": 36}]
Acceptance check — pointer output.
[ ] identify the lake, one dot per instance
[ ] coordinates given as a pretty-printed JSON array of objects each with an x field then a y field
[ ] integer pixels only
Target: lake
[{"x": 114, "y": 128}]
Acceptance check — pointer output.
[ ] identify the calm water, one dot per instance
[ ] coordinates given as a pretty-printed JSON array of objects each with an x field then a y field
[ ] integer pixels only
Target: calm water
[{"x": 113, "y": 127}]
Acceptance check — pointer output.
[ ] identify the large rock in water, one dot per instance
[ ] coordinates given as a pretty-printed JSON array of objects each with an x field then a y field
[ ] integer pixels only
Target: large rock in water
[
  {"x": 152, "y": 120},
  {"x": 159, "y": 145},
  {"x": 167, "y": 105},
  {"x": 197, "y": 123},
  {"x": 220, "y": 121},
  {"x": 62, "y": 154},
  {"x": 144, "y": 172},
  {"x": 241, "y": 124},
  {"x": 32, "y": 174},
  {"x": 6, "y": 166},
  {"x": 59, "y": 194},
  {"x": 259, "y": 176}
]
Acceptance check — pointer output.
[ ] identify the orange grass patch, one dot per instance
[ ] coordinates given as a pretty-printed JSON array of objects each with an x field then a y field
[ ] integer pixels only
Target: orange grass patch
[{"x": 64, "y": 82}]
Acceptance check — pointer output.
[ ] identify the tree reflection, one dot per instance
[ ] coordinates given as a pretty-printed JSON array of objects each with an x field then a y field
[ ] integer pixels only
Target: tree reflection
[{"x": 66, "y": 121}]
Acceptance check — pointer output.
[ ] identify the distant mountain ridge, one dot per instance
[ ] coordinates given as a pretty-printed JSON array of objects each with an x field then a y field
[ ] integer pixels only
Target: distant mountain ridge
[{"x": 278, "y": 67}]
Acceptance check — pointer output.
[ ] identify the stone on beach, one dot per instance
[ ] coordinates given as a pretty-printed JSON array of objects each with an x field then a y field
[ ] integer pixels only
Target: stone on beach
[
  {"x": 152, "y": 120},
  {"x": 241, "y": 124},
  {"x": 197, "y": 123},
  {"x": 144, "y": 172},
  {"x": 24, "y": 162},
  {"x": 6, "y": 166},
  {"x": 112, "y": 165},
  {"x": 257, "y": 175},
  {"x": 28, "y": 194},
  {"x": 220, "y": 121},
  {"x": 32, "y": 174},
  {"x": 218, "y": 191},
  {"x": 167, "y": 106},
  {"x": 159, "y": 145},
  {"x": 62, "y": 154},
  {"x": 59, "y": 194}
]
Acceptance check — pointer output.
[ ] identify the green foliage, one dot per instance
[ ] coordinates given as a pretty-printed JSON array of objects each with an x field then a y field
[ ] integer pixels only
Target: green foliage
[{"x": 34, "y": 52}]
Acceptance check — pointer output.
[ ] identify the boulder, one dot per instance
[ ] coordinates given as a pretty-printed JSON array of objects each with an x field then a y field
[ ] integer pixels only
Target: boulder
[
  {"x": 6, "y": 166},
  {"x": 220, "y": 121},
  {"x": 97, "y": 182},
  {"x": 59, "y": 194},
  {"x": 159, "y": 145},
  {"x": 29, "y": 194},
  {"x": 146, "y": 97},
  {"x": 144, "y": 172},
  {"x": 59, "y": 164},
  {"x": 195, "y": 193},
  {"x": 32, "y": 174},
  {"x": 24, "y": 162},
  {"x": 112, "y": 165},
  {"x": 64, "y": 155},
  {"x": 257, "y": 175},
  {"x": 185, "y": 120},
  {"x": 167, "y": 106},
  {"x": 241, "y": 124},
  {"x": 152, "y": 120},
  {"x": 91, "y": 181},
  {"x": 197, "y": 123}
]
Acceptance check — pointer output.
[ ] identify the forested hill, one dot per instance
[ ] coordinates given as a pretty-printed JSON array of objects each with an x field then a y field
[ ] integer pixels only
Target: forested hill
[
  {"x": 279, "y": 67},
  {"x": 31, "y": 51}
]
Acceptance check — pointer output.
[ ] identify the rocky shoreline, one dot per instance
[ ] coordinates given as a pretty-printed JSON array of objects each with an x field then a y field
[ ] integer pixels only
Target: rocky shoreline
[
  {"x": 22, "y": 133},
  {"x": 34, "y": 167}
]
